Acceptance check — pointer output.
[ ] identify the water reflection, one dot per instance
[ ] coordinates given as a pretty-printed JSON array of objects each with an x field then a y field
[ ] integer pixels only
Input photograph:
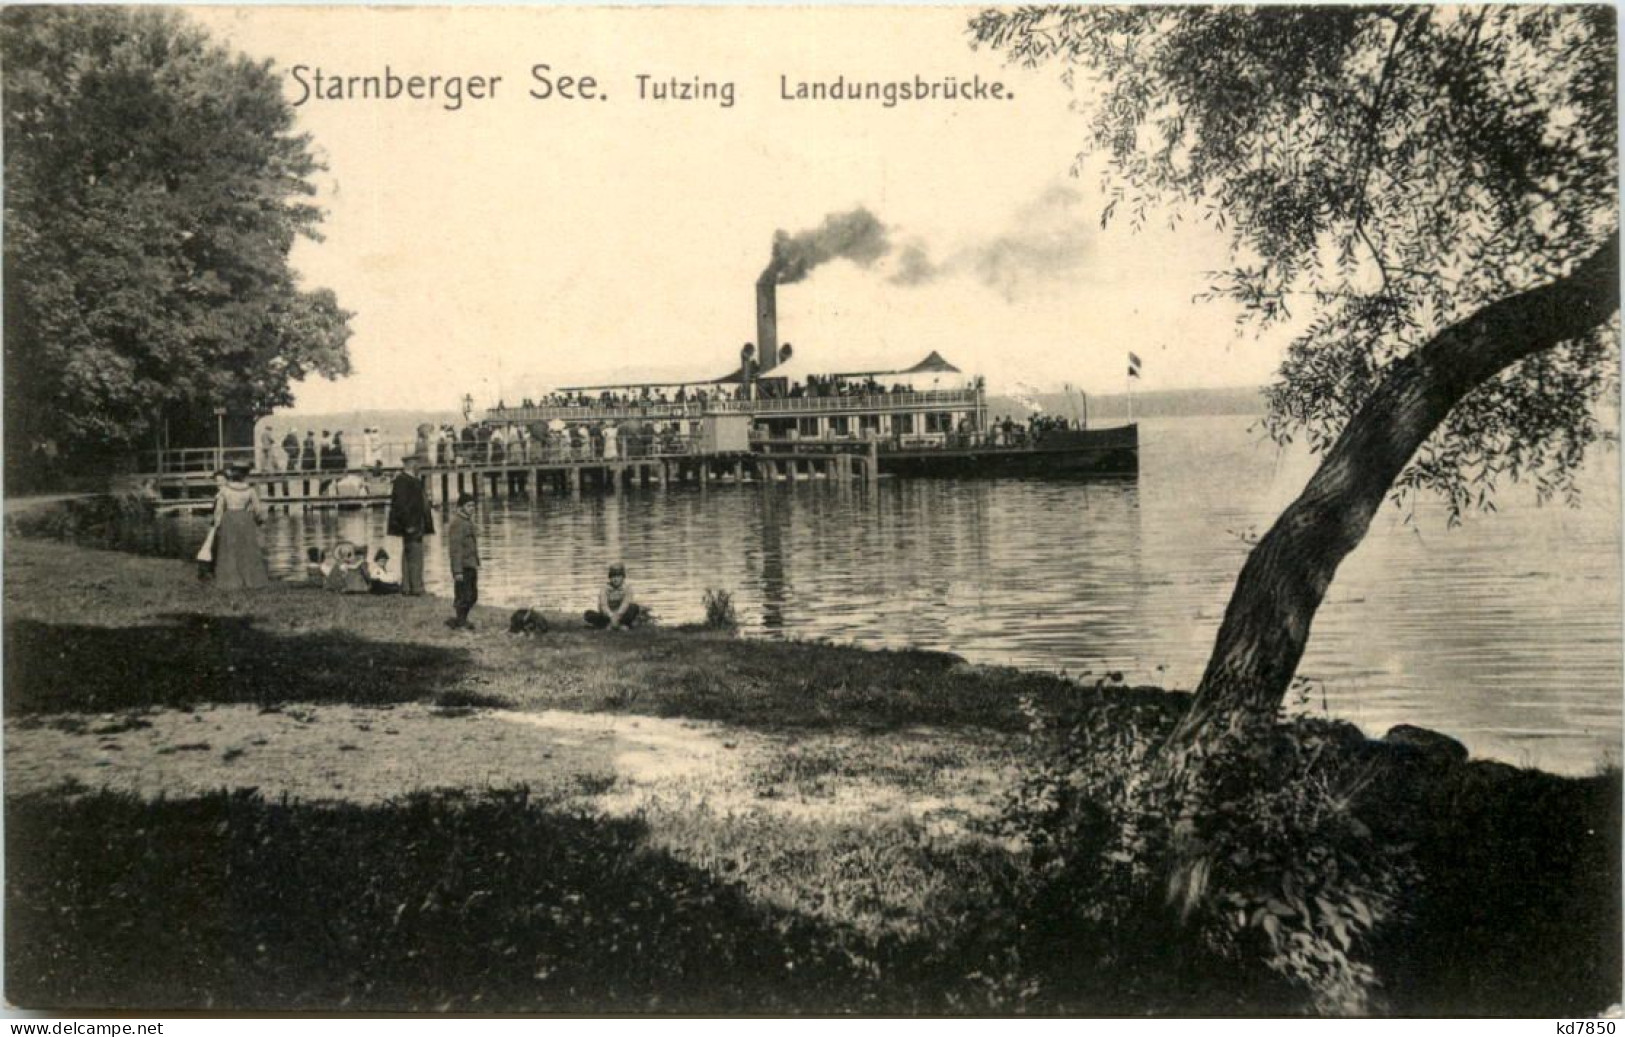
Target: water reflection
[{"x": 1504, "y": 632}]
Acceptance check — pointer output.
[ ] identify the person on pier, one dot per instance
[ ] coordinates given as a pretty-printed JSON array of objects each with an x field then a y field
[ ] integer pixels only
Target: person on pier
[
  {"x": 411, "y": 520},
  {"x": 617, "y": 607},
  {"x": 270, "y": 460},
  {"x": 307, "y": 459},
  {"x": 238, "y": 512},
  {"x": 462, "y": 545}
]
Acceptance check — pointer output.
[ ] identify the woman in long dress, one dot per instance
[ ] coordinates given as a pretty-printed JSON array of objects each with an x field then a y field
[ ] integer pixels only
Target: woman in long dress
[{"x": 238, "y": 563}]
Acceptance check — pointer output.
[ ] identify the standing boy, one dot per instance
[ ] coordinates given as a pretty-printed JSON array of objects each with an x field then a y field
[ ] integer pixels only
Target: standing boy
[
  {"x": 411, "y": 520},
  {"x": 464, "y": 549}
]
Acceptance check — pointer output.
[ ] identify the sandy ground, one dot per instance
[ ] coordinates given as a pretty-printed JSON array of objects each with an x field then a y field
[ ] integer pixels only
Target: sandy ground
[{"x": 617, "y": 763}]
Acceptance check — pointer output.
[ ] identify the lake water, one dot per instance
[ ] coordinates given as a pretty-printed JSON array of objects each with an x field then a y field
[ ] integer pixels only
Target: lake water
[{"x": 1504, "y": 632}]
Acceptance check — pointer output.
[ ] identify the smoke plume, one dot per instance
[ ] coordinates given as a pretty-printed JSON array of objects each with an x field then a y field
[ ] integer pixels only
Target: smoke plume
[
  {"x": 1047, "y": 241},
  {"x": 855, "y": 235}
]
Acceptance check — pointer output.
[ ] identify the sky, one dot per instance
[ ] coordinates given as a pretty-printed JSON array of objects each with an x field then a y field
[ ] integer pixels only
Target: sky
[{"x": 517, "y": 244}]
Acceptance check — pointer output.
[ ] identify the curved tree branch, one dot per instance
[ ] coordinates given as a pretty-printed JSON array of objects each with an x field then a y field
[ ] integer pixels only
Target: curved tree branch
[{"x": 1284, "y": 580}]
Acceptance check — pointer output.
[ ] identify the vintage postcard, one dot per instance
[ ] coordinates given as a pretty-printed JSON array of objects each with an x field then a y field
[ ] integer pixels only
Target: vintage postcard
[{"x": 895, "y": 511}]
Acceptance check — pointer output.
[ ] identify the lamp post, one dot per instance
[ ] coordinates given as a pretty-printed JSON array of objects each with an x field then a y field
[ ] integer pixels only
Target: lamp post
[{"x": 219, "y": 438}]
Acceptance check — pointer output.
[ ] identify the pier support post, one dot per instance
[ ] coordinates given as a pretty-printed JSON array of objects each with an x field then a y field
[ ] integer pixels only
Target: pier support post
[
  {"x": 739, "y": 471},
  {"x": 575, "y": 481}
]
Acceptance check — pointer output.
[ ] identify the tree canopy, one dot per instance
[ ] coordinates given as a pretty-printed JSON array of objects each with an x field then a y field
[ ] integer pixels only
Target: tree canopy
[
  {"x": 154, "y": 190},
  {"x": 1382, "y": 172},
  {"x": 1431, "y": 192}
]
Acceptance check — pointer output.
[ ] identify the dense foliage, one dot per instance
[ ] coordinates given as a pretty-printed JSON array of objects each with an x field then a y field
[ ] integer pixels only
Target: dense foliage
[
  {"x": 1289, "y": 891},
  {"x": 1314, "y": 871},
  {"x": 1382, "y": 173},
  {"x": 154, "y": 190}
]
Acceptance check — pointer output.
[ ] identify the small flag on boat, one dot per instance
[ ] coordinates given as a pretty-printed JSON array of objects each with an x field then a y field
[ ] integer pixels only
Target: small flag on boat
[{"x": 1133, "y": 366}]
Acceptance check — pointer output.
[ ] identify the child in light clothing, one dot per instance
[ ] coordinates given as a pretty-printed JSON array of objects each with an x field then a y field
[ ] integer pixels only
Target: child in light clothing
[{"x": 617, "y": 606}]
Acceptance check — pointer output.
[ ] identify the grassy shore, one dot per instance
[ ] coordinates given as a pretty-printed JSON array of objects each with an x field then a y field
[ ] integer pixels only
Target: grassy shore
[{"x": 292, "y": 800}]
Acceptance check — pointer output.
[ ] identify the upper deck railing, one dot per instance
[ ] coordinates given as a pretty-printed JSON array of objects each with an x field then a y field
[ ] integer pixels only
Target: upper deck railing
[{"x": 775, "y": 407}]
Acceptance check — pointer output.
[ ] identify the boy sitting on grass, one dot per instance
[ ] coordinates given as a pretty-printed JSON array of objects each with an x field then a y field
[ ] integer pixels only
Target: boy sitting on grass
[
  {"x": 617, "y": 608},
  {"x": 382, "y": 581}
]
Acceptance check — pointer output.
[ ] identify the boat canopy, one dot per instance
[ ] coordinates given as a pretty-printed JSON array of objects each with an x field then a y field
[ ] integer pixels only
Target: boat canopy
[
  {"x": 799, "y": 367},
  {"x": 657, "y": 383},
  {"x": 796, "y": 369}
]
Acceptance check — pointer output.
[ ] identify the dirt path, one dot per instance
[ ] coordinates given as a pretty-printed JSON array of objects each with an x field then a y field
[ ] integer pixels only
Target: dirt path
[{"x": 620, "y": 763}]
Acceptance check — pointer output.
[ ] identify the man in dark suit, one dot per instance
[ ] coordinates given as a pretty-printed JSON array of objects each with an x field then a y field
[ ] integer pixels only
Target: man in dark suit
[{"x": 411, "y": 520}]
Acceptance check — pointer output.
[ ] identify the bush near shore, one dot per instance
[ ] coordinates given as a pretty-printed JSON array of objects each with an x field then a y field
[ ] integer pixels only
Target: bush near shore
[{"x": 1506, "y": 901}]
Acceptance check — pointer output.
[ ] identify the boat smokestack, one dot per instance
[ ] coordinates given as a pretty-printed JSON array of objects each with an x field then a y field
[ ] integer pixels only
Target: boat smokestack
[
  {"x": 767, "y": 324},
  {"x": 856, "y": 236}
]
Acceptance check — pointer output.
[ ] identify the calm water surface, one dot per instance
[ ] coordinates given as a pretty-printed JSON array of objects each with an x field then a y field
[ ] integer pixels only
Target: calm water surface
[{"x": 1504, "y": 632}]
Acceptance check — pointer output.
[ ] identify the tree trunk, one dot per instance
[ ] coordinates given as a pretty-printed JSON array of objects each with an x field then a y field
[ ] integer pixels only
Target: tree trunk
[{"x": 1266, "y": 624}]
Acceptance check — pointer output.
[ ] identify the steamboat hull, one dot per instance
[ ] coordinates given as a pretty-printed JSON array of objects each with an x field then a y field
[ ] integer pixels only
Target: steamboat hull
[{"x": 1112, "y": 453}]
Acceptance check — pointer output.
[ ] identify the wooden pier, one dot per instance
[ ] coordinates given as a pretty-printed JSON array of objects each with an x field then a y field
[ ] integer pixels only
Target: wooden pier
[{"x": 768, "y": 461}]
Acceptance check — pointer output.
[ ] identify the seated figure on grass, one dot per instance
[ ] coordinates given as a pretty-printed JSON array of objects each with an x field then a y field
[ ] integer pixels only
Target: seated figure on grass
[
  {"x": 617, "y": 608},
  {"x": 381, "y": 579},
  {"x": 349, "y": 572}
]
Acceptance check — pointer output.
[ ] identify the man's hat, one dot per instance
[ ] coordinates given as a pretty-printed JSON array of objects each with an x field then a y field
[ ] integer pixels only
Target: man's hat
[{"x": 466, "y": 498}]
